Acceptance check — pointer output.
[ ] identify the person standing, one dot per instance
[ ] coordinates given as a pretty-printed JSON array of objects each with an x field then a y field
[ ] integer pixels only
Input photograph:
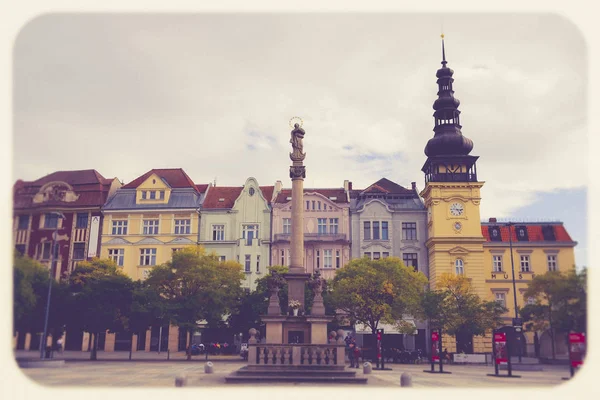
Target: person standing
[{"x": 351, "y": 349}]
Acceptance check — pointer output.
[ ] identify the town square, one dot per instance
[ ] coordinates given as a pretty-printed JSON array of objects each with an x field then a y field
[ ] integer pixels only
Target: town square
[{"x": 195, "y": 206}]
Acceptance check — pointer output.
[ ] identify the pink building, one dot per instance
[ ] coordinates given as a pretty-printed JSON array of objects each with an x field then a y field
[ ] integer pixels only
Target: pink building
[{"x": 326, "y": 230}]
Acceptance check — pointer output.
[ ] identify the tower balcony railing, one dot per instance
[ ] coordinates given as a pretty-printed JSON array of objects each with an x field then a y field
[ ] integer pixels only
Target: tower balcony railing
[
  {"x": 308, "y": 237},
  {"x": 448, "y": 177}
]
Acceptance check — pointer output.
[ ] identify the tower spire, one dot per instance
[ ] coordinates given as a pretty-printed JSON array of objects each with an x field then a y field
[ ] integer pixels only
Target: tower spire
[{"x": 444, "y": 62}]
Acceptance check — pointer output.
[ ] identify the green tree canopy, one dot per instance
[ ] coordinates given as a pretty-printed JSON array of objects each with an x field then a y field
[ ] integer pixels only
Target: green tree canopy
[
  {"x": 196, "y": 286},
  {"x": 102, "y": 297},
  {"x": 374, "y": 291},
  {"x": 454, "y": 308}
]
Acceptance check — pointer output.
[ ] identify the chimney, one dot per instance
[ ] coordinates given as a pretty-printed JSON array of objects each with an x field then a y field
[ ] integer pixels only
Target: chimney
[
  {"x": 414, "y": 186},
  {"x": 492, "y": 220},
  {"x": 347, "y": 185},
  {"x": 278, "y": 187}
]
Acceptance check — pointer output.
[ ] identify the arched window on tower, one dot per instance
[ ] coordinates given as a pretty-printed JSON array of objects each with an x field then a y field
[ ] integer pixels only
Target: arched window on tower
[{"x": 459, "y": 266}]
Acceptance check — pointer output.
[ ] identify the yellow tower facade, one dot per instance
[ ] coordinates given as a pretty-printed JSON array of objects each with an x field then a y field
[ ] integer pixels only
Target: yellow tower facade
[{"x": 452, "y": 196}]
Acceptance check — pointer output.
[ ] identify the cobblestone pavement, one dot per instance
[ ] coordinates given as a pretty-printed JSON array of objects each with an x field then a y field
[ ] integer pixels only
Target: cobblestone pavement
[{"x": 163, "y": 374}]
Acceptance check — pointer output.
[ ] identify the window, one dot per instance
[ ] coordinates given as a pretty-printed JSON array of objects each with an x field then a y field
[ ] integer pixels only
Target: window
[
  {"x": 23, "y": 222},
  {"x": 183, "y": 226},
  {"x": 119, "y": 227},
  {"x": 307, "y": 205},
  {"x": 409, "y": 231},
  {"x": 173, "y": 251},
  {"x": 318, "y": 205},
  {"x": 79, "y": 251},
  {"x": 385, "y": 254},
  {"x": 501, "y": 298},
  {"x": 327, "y": 259},
  {"x": 318, "y": 259},
  {"x": 147, "y": 256},
  {"x": 82, "y": 221},
  {"x": 459, "y": 266},
  {"x": 322, "y": 224},
  {"x": 333, "y": 225},
  {"x": 289, "y": 255},
  {"x": 152, "y": 195},
  {"x": 117, "y": 255},
  {"x": 144, "y": 195},
  {"x": 282, "y": 257},
  {"x": 257, "y": 263},
  {"x": 150, "y": 227},
  {"x": 384, "y": 230},
  {"x": 367, "y": 230},
  {"x": 247, "y": 263},
  {"x": 313, "y": 204},
  {"x": 46, "y": 248},
  {"x": 21, "y": 249},
  {"x": 376, "y": 255},
  {"x": 249, "y": 232},
  {"x": 497, "y": 263},
  {"x": 552, "y": 262},
  {"x": 368, "y": 255},
  {"x": 410, "y": 260},
  {"x": 222, "y": 258},
  {"x": 375, "y": 230},
  {"x": 337, "y": 259},
  {"x": 51, "y": 221},
  {"x": 525, "y": 264},
  {"x": 218, "y": 232},
  {"x": 287, "y": 225},
  {"x": 162, "y": 194}
]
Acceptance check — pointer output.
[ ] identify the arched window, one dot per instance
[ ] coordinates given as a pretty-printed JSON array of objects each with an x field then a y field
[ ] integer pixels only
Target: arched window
[{"x": 459, "y": 266}]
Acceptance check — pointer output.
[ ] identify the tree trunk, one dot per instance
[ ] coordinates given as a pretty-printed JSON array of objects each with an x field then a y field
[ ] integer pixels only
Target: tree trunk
[
  {"x": 90, "y": 342},
  {"x": 551, "y": 330},
  {"x": 93, "y": 355},
  {"x": 131, "y": 346},
  {"x": 189, "y": 345}
]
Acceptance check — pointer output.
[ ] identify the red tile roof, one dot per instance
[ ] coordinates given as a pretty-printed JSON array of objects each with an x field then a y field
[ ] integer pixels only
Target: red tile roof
[
  {"x": 228, "y": 194},
  {"x": 534, "y": 232},
  {"x": 201, "y": 188},
  {"x": 267, "y": 192},
  {"x": 386, "y": 186},
  {"x": 175, "y": 177},
  {"x": 91, "y": 187},
  {"x": 340, "y": 195}
]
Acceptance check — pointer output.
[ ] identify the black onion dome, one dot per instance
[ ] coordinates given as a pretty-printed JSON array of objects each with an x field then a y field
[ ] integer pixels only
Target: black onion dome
[
  {"x": 448, "y": 144},
  {"x": 448, "y": 139}
]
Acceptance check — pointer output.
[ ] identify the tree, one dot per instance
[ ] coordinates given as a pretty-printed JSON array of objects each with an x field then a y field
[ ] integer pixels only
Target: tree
[
  {"x": 374, "y": 291},
  {"x": 454, "y": 309},
  {"x": 147, "y": 309},
  {"x": 102, "y": 298},
  {"x": 561, "y": 303},
  {"x": 30, "y": 282},
  {"x": 196, "y": 286}
]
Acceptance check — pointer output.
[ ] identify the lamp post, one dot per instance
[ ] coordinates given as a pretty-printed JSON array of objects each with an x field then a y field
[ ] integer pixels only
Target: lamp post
[
  {"x": 512, "y": 264},
  {"x": 52, "y": 260}
]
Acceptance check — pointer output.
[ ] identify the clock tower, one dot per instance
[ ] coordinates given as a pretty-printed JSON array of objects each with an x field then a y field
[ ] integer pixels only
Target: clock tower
[{"x": 452, "y": 192}]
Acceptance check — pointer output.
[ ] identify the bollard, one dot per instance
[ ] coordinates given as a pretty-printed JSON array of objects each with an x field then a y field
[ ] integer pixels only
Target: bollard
[
  {"x": 367, "y": 368},
  {"x": 405, "y": 380},
  {"x": 208, "y": 368},
  {"x": 181, "y": 381}
]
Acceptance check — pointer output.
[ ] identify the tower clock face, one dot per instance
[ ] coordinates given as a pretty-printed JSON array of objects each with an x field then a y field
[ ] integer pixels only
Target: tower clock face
[{"x": 457, "y": 209}]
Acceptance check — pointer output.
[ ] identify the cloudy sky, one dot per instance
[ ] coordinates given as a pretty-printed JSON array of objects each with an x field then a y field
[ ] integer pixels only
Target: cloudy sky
[{"x": 213, "y": 94}]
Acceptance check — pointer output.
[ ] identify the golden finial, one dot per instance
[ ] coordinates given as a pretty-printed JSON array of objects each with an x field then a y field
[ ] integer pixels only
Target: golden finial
[{"x": 442, "y": 35}]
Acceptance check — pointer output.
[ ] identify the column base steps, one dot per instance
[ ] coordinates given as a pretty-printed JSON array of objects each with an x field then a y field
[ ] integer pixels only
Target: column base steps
[{"x": 289, "y": 374}]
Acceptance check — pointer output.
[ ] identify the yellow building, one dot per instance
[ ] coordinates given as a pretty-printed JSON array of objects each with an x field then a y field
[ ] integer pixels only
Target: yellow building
[
  {"x": 536, "y": 249},
  {"x": 144, "y": 223},
  {"x": 459, "y": 243}
]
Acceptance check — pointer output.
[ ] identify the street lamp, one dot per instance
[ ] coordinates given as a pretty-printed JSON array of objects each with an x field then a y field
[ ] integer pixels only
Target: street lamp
[
  {"x": 52, "y": 260},
  {"x": 512, "y": 264}
]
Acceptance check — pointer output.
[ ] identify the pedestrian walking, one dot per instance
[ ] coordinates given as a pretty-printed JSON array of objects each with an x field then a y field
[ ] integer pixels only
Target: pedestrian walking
[{"x": 356, "y": 355}]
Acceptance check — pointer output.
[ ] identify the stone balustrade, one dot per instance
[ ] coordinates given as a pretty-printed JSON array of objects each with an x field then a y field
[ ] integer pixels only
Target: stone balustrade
[{"x": 296, "y": 354}]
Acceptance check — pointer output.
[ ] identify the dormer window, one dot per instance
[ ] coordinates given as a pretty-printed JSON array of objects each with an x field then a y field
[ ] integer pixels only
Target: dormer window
[
  {"x": 144, "y": 194},
  {"x": 251, "y": 191},
  {"x": 162, "y": 194},
  {"x": 221, "y": 200},
  {"x": 152, "y": 195}
]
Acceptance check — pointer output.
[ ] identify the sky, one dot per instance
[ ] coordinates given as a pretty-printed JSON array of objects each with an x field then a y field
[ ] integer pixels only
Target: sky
[{"x": 214, "y": 94}]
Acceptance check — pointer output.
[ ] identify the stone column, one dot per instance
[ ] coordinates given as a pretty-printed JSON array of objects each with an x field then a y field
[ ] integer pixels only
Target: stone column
[
  {"x": 134, "y": 340},
  {"x": 109, "y": 343},
  {"x": 27, "y": 341},
  {"x": 148, "y": 338}
]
